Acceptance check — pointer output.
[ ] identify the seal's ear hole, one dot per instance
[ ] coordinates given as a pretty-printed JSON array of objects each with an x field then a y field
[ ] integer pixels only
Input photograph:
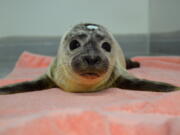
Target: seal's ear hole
[
  {"x": 106, "y": 46},
  {"x": 74, "y": 44}
]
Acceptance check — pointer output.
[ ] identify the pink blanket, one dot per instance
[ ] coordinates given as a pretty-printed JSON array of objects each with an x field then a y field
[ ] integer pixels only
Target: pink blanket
[{"x": 110, "y": 112}]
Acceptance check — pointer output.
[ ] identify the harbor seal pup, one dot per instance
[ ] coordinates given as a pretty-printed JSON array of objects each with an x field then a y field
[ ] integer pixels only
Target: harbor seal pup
[{"x": 89, "y": 59}]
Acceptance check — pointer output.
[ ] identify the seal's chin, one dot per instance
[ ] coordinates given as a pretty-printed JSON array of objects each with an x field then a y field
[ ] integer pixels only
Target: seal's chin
[{"x": 90, "y": 75}]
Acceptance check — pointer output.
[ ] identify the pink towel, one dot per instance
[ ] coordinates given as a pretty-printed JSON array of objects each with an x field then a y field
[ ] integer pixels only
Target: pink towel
[{"x": 109, "y": 112}]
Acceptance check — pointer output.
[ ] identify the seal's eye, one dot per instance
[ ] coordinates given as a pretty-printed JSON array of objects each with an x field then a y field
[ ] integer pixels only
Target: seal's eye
[
  {"x": 106, "y": 46},
  {"x": 74, "y": 44}
]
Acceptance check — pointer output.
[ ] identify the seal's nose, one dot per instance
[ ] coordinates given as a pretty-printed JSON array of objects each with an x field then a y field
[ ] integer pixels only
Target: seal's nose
[{"x": 91, "y": 60}]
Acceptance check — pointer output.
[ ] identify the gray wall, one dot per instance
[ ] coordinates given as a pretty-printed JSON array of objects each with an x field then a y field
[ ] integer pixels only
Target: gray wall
[
  {"x": 164, "y": 27},
  {"x": 164, "y": 16},
  {"x": 53, "y": 17}
]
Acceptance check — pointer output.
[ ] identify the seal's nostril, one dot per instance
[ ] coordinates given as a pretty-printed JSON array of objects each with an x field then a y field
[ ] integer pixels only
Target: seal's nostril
[
  {"x": 97, "y": 59},
  {"x": 92, "y": 60}
]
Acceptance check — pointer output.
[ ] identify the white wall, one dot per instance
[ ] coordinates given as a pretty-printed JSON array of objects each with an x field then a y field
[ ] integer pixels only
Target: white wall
[{"x": 53, "y": 17}]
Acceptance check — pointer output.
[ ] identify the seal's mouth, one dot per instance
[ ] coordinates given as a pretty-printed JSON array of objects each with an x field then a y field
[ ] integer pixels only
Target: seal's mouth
[{"x": 90, "y": 75}]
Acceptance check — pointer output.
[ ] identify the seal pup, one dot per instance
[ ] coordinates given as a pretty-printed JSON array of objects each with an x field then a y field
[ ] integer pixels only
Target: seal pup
[{"x": 89, "y": 59}]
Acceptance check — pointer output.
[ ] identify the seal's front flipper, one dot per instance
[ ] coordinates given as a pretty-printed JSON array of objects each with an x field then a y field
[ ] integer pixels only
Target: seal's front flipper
[
  {"x": 131, "y": 64},
  {"x": 144, "y": 85},
  {"x": 42, "y": 83}
]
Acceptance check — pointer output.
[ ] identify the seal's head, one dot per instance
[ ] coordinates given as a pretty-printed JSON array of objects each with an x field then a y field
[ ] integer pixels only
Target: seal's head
[{"x": 88, "y": 51}]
